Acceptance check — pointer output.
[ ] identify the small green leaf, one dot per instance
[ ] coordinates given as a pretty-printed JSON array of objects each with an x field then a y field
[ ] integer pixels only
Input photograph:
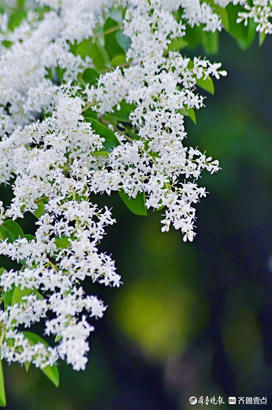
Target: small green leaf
[
  {"x": 193, "y": 36},
  {"x": 90, "y": 115},
  {"x": 123, "y": 40},
  {"x": 116, "y": 15},
  {"x": 27, "y": 365},
  {"x": 62, "y": 243},
  {"x": 177, "y": 44},
  {"x": 100, "y": 153},
  {"x": 50, "y": 371},
  {"x": 29, "y": 237},
  {"x": 135, "y": 205},
  {"x": 58, "y": 338},
  {"x": 189, "y": 112},
  {"x": 122, "y": 114},
  {"x": 222, "y": 13},
  {"x": 33, "y": 338},
  {"x": 224, "y": 18},
  {"x": 90, "y": 76},
  {"x": 10, "y": 230},
  {"x": 103, "y": 52},
  {"x": 206, "y": 84},
  {"x": 40, "y": 211},
  {"x": 8, "y": 297},
  {"x": 261, "y": 38},
  {"x": 16, "y": 18},
  {"x": 111, "y": 43},
  {"x": 118, "y": 60},
  {"x": 21, "y": 4},
  {"x": 15, "y": 295},
  {"x": 251, "y": 32},
  {"x": 94, "y": 50},
  {"x": 7, "y": 43},
  {"x": 1, "y": 270},
  {"x": 19, "y": 293},
  {"x": 3, "y": 401},
  {"x": 210, "y": 41},
  {"x": 244, "y": 35},
  {"x": 38, "y": 294},
  {"x": 110, "y": 139}
]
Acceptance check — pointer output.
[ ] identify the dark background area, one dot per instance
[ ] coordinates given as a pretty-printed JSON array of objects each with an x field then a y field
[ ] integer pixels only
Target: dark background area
[{"x": 190, "y": 319}]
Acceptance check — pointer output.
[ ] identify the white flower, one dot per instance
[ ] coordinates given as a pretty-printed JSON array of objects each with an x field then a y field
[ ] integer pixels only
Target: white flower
[{"x": 61, "y": 161}]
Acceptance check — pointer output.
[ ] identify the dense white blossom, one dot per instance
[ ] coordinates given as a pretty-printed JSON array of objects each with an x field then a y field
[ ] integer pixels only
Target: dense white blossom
[
  {"x": 260, "y": 11},
  {"x": 55, "y": 157}
]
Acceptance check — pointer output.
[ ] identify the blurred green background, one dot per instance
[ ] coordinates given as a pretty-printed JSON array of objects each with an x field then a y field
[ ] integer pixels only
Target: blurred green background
[{"x": 190, "y": 319}]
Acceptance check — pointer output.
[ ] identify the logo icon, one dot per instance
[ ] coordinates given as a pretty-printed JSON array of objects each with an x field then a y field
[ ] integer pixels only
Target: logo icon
[
  {"x": 192, "y": 400},
  {"x": 232, "y": 400}
]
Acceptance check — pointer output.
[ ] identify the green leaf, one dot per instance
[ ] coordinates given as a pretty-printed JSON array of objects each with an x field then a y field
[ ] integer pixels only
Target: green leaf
[
  {"x": 116, "y": 15},
  {"x": 40, "y": 211},
  {"x": 123, "y": 41},
  {"x": 83, "y": 49},
  {"x": 10, "y": 230},
  {"x": 123, "y": 113},
  {"x": 222, "y": 12},
  {"x": 261, "y": 38},
  {"x": 33, "y": 338},
  {"x": 206, "y": 84},
  {"x": 29, "y": 237},
  {"x": 210, "y": 41},
  {"x": 38, "y": 294},
  {"x": 111, "y": 44},
  {"x": 237, "y": 30},
  {"x": 21, "y": 4},
  {"x": 193, "y": 36},
  {"x": 100, "y": 153},
  {"x": 135, "y": 205},
  {"x": 177, "y": 44},
  {"x": 27, "y": 365},
  {"x": 243, "y": 34},
  {"x": 16, "y": 18},
  {"x": 19, "y": 293},
  {"x": 189, "y": 112},
  {"x": 104, "y": 54},
  {"x": 7, "y": 43},
  {"x": 62, "y": 243},
  {"x": 90, "y": 115},
  {"x": 90, "y": 76},
  {"x": 110, "y": 139},
  {"x": 58, "y": 338},
  {"x": 118, "y": 60},
  {"x": 50, "y": 371},
  {"x": 251, "y": 32},
  {"x": 3, "y": 401},
  {"x": 94, "y": 50},
  {"x": 1, "y": 270},
  {"x": 8, "y": 297}
]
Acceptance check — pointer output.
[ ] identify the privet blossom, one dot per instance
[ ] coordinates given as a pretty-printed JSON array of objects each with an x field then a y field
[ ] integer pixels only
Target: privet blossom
[{"x": 58, "y": 158}]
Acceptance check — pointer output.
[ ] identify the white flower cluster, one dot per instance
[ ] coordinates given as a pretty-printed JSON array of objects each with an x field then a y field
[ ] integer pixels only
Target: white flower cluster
[
  {"x": 60, "y": 161},
  {"x": 260, "y": 11},
  {"x": 64, "y": 251}
]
